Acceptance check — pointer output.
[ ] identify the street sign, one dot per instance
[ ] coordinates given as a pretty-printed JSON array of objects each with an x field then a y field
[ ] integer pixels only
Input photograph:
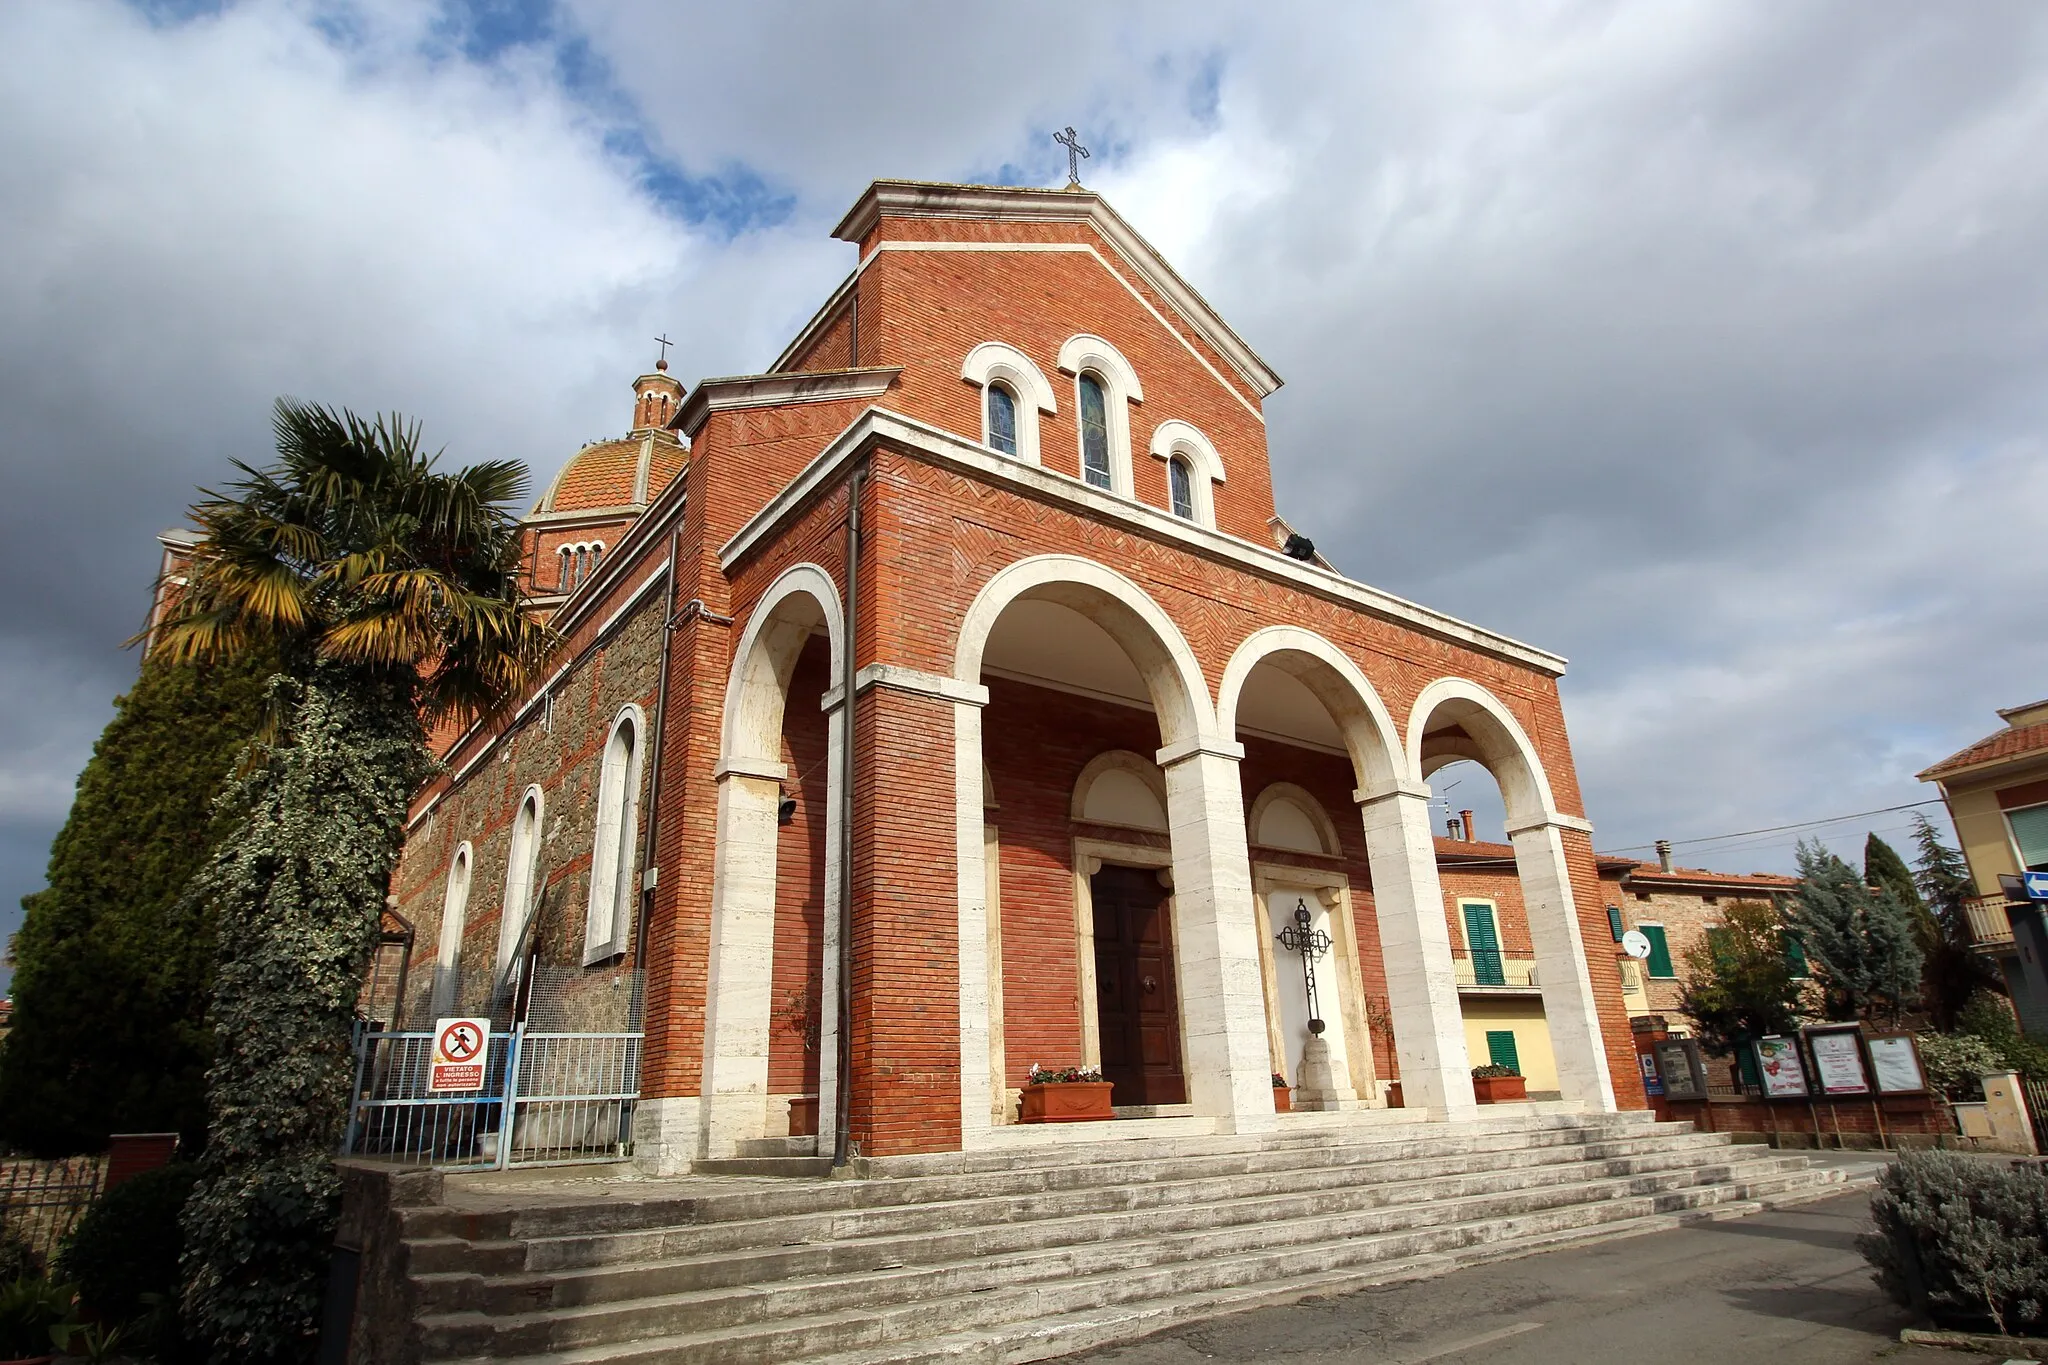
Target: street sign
[
  {"x": 2037, "y": 886},
  {"x": 460, "y": 1049},
  {"x": 1636, "y": 944}
]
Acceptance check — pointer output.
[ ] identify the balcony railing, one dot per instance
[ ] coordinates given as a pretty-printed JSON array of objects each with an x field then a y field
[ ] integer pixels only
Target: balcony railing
[
  {"x": 1989, "y": 926},
  {"x": 1483, "y": 971}
]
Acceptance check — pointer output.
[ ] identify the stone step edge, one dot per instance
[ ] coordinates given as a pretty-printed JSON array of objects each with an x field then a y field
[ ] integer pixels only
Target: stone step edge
[
  {"x": 728, "y": 1206},
  {"x": 1418, "y": 1193},
  {"x": 1185, "y": 1241},
  {"x": 1424, "y": 1265}
]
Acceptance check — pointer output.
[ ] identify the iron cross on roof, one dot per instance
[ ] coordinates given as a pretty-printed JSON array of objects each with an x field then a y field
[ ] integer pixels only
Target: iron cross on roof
[
  {"x": 1075, "y": 152},
  {"x": 665, "y": 344}
]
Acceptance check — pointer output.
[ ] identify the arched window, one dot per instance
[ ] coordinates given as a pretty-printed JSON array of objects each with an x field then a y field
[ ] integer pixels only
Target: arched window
[
  {"x": 1180, "y": 487},
  {"x": 520, "y": 860},
  {"x": 1094, "y": 432},
  {"x": 448, "y": 952},
  {"x": 612, "y": 859},
  {"x": 1002, "y": 419},
  {"x": 562, "y": 579}
]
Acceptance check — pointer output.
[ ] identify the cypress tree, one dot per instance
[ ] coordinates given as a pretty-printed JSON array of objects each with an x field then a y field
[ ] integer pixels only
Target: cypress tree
[
  {"x": 1883, "y": 867},
  {"x": 1954, "y": 971},
  {"x": 1860, "y": 941},
  {"x": 113, "y": 966}
]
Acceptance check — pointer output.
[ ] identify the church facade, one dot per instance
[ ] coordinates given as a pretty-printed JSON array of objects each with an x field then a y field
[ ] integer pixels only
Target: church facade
[{"x": 950, "y": 699}]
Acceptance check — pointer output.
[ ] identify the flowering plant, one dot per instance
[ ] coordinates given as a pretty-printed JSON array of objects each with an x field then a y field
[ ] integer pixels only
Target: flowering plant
[
  {"x": 1063, "y": 1075},
  {"x": 1493, "y": 1071},
  {"x": 1279, "y": 1081}
]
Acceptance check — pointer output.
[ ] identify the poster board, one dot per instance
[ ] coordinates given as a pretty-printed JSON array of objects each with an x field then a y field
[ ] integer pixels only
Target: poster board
[
  {"x": 1683, "y": 1069},
  {"x": 461, "y": 1047},
  {"x": 1895, "y": 1064},
  {"x": 1838, "y": 1060},
  {"x": 1781, "y": 1068}
]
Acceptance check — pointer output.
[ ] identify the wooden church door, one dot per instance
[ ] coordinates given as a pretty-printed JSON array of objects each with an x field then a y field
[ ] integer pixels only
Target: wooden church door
[{"x": 1137, "y": 1013}]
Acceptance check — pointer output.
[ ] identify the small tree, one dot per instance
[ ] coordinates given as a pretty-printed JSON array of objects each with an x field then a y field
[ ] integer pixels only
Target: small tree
[
  {"x": 1953, "y": 970},
  {"x": 1884, "y": 869},
  {"x": 113, "y": 966},
  {"x": 1739, "y": 983},
  {"x": 1859, "y": 941}
]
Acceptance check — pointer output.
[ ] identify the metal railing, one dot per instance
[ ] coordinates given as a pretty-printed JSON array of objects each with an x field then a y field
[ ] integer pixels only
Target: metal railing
[
  {"x": 1483, "y": 971},
  {"x": 1989, "y": 924},
  {"x": 561, "y": 1097},
  {"x": 42, "y": 1201}
]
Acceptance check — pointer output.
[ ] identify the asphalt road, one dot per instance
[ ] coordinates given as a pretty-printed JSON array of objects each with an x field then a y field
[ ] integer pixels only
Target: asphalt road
[{"x": 1786, "y": 1288}]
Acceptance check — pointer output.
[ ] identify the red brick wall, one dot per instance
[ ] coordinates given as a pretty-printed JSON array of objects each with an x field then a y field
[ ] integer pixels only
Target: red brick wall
[{"x": 800, "y": 878}]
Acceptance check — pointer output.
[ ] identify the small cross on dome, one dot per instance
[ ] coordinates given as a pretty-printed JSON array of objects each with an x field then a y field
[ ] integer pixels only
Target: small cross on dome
[
  {"x": 662, "y": 363},
  {"x": 1075, "y": 153}
]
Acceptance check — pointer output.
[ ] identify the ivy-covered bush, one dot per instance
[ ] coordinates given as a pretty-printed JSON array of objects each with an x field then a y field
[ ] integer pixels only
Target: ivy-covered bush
[
  {"x": 1956, "y": 1062},
  {"x": 127, "y": 1246},
  {"x": 1971, "y": 1235}
]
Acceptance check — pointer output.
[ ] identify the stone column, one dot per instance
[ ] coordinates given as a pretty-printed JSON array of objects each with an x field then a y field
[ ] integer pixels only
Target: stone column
[
  {"x": 1415, "y": 941},
  {"x": 828, "y": 990},
  {"x": 1215, "y": 937},
  {"x": 978, "y": 1095},
  {"x": 1568, "y": 1005},
  {"x": 737, "y": 984}
]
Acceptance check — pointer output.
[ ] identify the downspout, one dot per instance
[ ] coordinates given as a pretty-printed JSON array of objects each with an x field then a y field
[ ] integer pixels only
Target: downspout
[
  {"x": 842, "y": 1130},
  {"x": 650, "y": 873}
]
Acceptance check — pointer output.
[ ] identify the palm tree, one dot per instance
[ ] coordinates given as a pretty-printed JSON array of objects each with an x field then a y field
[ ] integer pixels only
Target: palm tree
[{"x": 390, "y": 591}]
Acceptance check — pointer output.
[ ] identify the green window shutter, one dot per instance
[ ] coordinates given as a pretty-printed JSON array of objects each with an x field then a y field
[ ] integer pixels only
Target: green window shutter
[
  {"x": 1614, "y": 922},
  {"x": 1745, "y": 1056},
  {"x": 2030, "y": 832},
  {"x": 1500, "y": 1049},
  {"x": 1795, "y": 956},
  {"x": 1484, "y": 944},
  {"x": 1660, "y": 950}
]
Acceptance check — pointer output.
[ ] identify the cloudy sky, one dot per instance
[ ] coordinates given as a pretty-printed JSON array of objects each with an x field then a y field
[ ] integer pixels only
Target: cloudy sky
[{"x": 1700, "y": 342}]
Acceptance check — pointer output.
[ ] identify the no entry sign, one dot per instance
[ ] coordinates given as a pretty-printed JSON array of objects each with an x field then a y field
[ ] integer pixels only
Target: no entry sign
[{"x": 460, "y": 1048}]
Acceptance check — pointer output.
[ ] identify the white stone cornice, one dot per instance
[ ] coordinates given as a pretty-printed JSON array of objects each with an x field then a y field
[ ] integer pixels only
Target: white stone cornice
[
  {"x": 774, "y": 390},
  {"x": 1399, "y": 786},
  {"x": 1188, "y": 748},
  {"x": 967, "y": 457},
  {"x": 909, "y": 680},
  {"x": 1551, "y": 820},
  {"x": 765, "y": 769}
]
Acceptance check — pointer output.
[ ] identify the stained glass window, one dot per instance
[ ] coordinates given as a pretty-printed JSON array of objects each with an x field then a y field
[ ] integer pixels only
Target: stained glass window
[
  {"x": 1002, "y": 419},
  {"x": 1094, "y": 432},
  {"x": 1181, "y": 487}
]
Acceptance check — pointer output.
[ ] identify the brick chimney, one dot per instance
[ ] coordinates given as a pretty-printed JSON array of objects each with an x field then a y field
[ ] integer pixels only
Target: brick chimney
[
  {"x": 1664, "y": 854},
  {"x": 1465, "y": 817}
]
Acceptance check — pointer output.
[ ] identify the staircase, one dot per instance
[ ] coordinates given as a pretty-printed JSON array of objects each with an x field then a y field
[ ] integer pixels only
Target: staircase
[{"x": 1038, "y": 1251}]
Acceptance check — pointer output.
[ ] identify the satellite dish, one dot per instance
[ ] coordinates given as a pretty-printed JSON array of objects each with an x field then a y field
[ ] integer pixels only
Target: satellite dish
[{"x": 1636, "y": 944}]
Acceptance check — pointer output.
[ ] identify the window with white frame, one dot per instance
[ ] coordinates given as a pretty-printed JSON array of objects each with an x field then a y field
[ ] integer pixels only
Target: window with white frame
[
  {"x": 1105, "y": 386},
  {"x": 520, "y": 864},
  {"x": 578, "y": 562},
  {"x": 454, "y": 914},
  {"x": 613, "y": 858},
  {"x": 1014, "y": 396},
  {"x": 1193, "y": 469}
]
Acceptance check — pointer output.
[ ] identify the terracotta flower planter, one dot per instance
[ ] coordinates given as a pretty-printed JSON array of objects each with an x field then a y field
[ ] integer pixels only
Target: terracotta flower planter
[
  {"x": 1283, "y": 1100},
  {"x": 803, "y": 1116},
  {"x": 1067, "y": 1102},
  {"x": 1497, "y": 1089}
]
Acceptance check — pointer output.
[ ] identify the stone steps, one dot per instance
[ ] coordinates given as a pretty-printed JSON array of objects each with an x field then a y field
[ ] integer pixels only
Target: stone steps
[{"x": 1003, "y": 1256}]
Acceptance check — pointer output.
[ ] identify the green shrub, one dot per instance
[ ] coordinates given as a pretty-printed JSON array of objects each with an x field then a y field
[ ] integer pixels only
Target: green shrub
[
  {"x": 1493, "y": 1071},
  {"x": 17, "y": 1257},
  {"x": 1970, "y": 1235},
  {"x": 128, "y": 1243},
  {"x": 1956, "y": 1062},
  {"x": 1987, "y": 1016},
  {"x": 31, "y": 1308}
]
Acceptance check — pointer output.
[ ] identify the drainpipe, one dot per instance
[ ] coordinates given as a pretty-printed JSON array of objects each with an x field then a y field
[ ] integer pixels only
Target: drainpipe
[
  {"x": 650, "y": 872},
  {"x": 842, "y": 1130}
]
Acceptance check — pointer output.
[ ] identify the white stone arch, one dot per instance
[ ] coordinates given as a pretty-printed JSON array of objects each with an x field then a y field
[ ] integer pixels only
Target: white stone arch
[
  {"x": 1324, "y": 830},
  {"x": 522, "y": 859},
  {"x": 1327, "y": 671},
  {"x": 999, "y": 362},
  {"x": 776, "y": 631},
  {"x": 616, "y": 844},
  {"x": 1495, "y": 739},
  {"x": 1173, "y": 677},
  {"x": 1087, "y": 353},
  {"x": 733, "y": 1107},
  {"x": 1121, "y": 767},
  {"x": 1175, "y": 439},
  {"x": 454, "y": 916}
]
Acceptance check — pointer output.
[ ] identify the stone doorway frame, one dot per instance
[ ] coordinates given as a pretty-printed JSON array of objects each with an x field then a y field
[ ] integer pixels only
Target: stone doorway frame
[{"x": 1333, "y": 889}]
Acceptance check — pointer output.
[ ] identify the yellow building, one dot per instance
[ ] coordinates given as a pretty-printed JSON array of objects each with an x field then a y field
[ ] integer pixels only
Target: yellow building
[{"x": 1997, "y": 795}]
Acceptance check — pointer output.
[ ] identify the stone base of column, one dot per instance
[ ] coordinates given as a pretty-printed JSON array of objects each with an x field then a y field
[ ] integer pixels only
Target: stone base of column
[
  {"x": 666, "y": 1133},
  {"x": 1320, "y": 1089}
]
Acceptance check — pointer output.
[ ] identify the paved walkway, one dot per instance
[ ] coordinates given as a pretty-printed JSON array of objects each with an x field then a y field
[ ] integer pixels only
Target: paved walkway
[{"x": 1786, "y": 1288}]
